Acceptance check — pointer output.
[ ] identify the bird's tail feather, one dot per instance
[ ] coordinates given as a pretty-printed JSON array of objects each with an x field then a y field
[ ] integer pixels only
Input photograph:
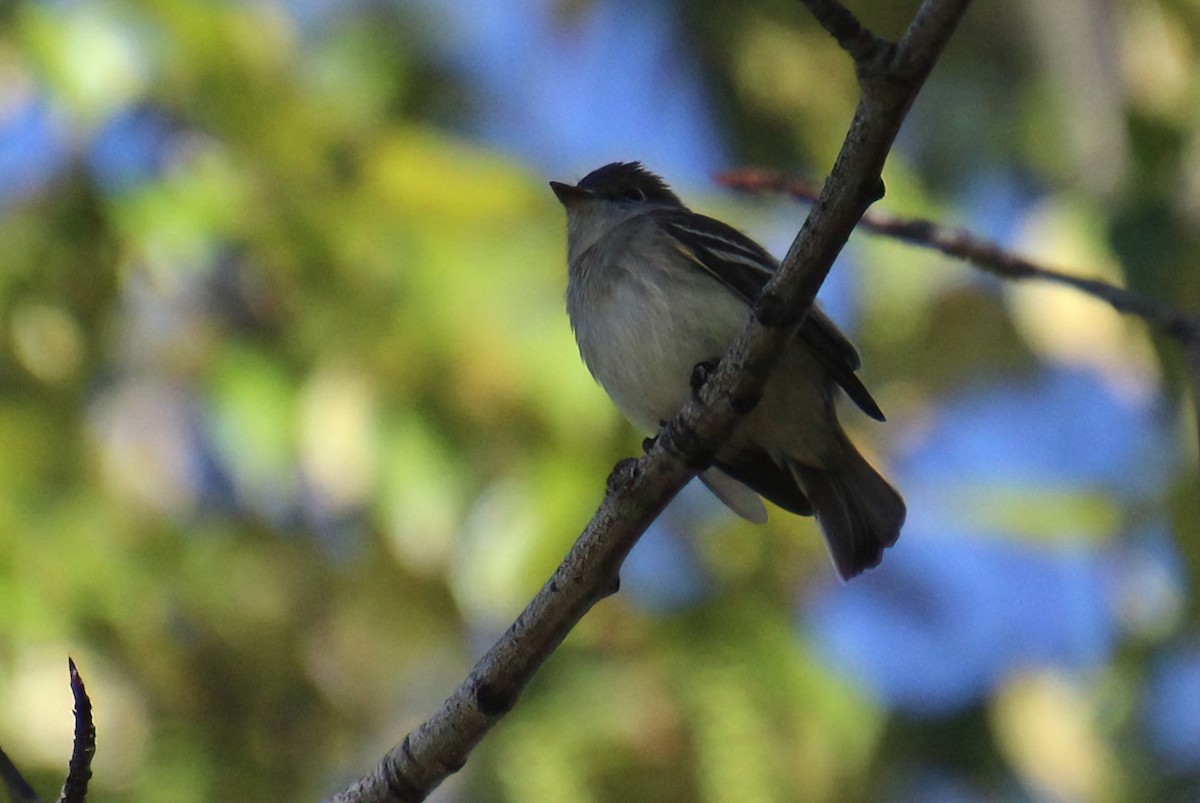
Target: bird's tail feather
[
  {"x": 736, "y": 496},
  {"x": 859, "y": 512}
]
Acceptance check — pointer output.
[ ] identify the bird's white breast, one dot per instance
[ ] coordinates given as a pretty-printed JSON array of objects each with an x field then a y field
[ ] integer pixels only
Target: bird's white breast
[{"x": 646, "y": 329}]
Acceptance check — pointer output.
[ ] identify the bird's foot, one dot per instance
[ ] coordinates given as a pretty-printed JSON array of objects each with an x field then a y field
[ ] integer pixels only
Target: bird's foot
[
  {"x": 701, "y": 371},
  {"x": 648, "y": 443}
]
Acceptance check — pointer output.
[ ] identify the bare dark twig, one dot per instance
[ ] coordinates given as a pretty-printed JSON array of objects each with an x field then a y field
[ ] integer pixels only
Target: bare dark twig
[
  {"x": 984, "y": 254},
  {"x": 840, "y": 23},
  {"x": 18, "y": 788},
  {"x": 79, "y": 771},
  {"x": 639, "y": 489}
]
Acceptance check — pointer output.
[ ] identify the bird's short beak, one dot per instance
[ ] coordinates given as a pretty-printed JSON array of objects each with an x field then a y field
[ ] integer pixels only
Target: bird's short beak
[{"x": 569, "y": 194}]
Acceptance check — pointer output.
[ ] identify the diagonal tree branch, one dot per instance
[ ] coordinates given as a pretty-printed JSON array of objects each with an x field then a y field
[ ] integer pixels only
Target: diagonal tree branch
[{"x": 639, "y": 489}]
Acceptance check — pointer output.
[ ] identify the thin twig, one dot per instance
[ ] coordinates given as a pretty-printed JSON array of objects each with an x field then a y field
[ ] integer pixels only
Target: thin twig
[
  {"x": 18, "y": 788},
  {"x": 984, "y": 254},
  {"x": 79, "y": 771},
  {"x": 854, "y": 37}
]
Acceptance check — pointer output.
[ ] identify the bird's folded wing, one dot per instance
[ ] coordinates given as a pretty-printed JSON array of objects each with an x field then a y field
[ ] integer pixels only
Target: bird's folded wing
[{"x": 745, "y": 267}]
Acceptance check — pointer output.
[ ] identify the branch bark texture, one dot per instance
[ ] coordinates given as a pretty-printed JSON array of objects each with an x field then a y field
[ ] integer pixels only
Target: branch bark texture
[{"x": 890, "y": 77}]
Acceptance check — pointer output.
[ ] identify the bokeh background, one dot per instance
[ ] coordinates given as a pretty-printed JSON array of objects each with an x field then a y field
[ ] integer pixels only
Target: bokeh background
[{"x": 292, "y": 423}]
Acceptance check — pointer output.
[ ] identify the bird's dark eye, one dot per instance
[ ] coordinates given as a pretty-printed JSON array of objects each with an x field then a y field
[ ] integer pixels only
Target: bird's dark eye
[{"x": 634, "y": 194}]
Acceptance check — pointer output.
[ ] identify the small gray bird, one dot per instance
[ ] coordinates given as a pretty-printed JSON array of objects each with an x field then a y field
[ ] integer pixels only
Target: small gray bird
[{"x": 654, "y": 290}]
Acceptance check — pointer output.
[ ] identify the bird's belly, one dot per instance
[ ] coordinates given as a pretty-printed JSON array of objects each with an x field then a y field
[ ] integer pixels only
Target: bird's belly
[{"x": 643, "y": 347}]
